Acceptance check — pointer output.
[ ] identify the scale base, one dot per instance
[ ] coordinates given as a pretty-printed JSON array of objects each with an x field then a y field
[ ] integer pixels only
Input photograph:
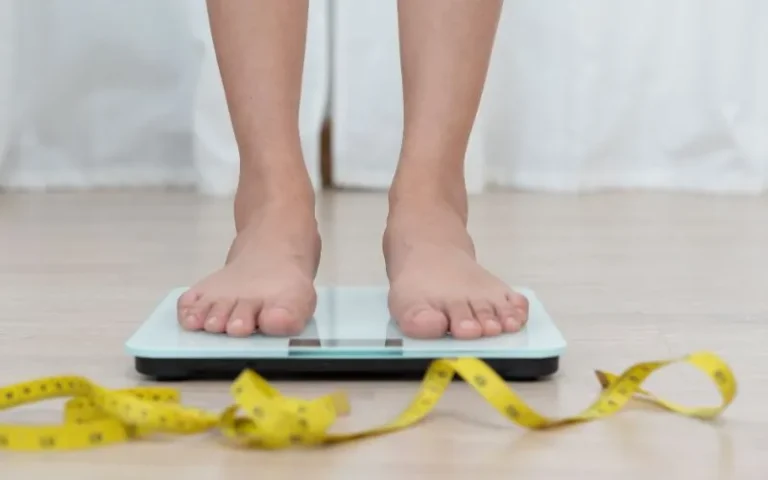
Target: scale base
[
  {"x": 165, "y": 370},
  {"x": 351, "y": 336}
]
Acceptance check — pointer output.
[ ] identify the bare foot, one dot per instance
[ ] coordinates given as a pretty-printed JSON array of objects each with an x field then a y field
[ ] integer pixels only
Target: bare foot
[
  {"x": 268, "y": 280},
  {"x": 436, "y": 285}
]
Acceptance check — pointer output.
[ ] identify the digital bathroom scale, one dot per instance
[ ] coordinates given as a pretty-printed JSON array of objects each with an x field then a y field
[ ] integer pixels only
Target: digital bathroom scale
[{"x": 351, "y": 335}]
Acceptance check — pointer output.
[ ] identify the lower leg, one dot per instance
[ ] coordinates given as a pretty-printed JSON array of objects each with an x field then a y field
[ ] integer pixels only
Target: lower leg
[
  {"x": 267, "y": 282},
  {"x": 436, "y": 283},
  {"x": 260, "y": 50}
]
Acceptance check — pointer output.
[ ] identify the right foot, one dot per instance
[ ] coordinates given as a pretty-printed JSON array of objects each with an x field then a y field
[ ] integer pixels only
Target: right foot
[{"x": 267, "y": 283}]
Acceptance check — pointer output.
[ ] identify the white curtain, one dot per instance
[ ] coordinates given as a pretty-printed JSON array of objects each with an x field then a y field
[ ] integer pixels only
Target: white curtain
[
  {"x": 7, "y": 65},
  {"x": 106, "y": 93},
  {"x": 667, "y": 94}
]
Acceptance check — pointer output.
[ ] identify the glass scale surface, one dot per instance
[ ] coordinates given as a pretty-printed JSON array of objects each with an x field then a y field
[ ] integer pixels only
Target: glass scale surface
[{"x": 350, "y": 335}]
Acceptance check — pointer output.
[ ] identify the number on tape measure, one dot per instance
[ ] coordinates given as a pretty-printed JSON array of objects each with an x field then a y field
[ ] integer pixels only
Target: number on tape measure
[{"x": 261, "y": 417}]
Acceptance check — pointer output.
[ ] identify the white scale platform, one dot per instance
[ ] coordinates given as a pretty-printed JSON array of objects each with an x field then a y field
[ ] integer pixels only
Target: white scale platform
[{"x": 350, "y": 332}]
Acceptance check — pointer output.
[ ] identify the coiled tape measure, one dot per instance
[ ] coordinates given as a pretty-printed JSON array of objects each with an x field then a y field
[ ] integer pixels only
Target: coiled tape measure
[{"x": 262, "y": 418}]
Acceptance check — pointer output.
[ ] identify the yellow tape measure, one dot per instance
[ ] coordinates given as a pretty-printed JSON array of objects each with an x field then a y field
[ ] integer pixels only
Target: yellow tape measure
[{"x": 262, "y": 418}]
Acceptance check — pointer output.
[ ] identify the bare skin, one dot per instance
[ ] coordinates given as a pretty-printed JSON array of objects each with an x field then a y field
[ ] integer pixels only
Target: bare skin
[
  {"x": 267, "y": 281},
  {"x": 436, "y": 284}
]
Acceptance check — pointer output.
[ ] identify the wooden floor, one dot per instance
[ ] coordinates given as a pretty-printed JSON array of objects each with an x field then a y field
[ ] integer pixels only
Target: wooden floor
[{"x": 627, "y": 277}]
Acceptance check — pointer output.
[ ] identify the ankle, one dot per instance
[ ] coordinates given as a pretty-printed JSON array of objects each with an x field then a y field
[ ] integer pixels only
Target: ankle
[
  {"x": 292, "y": 196},
  {"x": 419, "y": 193},
  {"x": 431, "y": 172},
  {"x": 427, "y": 217},
  {"x": 284, "y": 223},
  {"x": 273, "y": 167}
]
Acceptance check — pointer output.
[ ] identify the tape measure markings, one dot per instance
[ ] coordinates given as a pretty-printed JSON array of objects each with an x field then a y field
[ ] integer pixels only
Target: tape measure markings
[{"x": 261, "y": 417}]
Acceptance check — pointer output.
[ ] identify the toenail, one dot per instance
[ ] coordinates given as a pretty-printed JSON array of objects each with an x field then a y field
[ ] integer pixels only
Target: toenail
[
  {"x": 211, "y": 322},
  {"x": 236, "y": 323},
  {"x": 190, "y": 320},
  {"x": 468, "y": 324}
]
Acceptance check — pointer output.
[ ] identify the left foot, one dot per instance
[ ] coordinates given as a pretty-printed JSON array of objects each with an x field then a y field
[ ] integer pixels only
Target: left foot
[{"x": 436, "y": 284}]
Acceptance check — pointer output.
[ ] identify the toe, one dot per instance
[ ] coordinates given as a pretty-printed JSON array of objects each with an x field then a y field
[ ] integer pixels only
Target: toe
[
  {"x": 187, "y": 300},
  {"x": 512, "y": 311},
  {"x": 521, "y": 306},
  {"x": 195, "y": 315},
  {"x": 218, "y": 316},
  {"x": 508, "y": 315},
  {"x": 242, "y": 320},
  {"x": 485, "y": 314},
  {"x": 462, "y": 320},
  {"x": 186, "y": 308},
  {"x": 422, "y": 321}
]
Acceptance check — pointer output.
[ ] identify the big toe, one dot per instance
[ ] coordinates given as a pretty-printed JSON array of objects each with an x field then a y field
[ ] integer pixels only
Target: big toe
[
  {"x": 422, "y": 321},
  {"x": 281, "y": 321}
]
